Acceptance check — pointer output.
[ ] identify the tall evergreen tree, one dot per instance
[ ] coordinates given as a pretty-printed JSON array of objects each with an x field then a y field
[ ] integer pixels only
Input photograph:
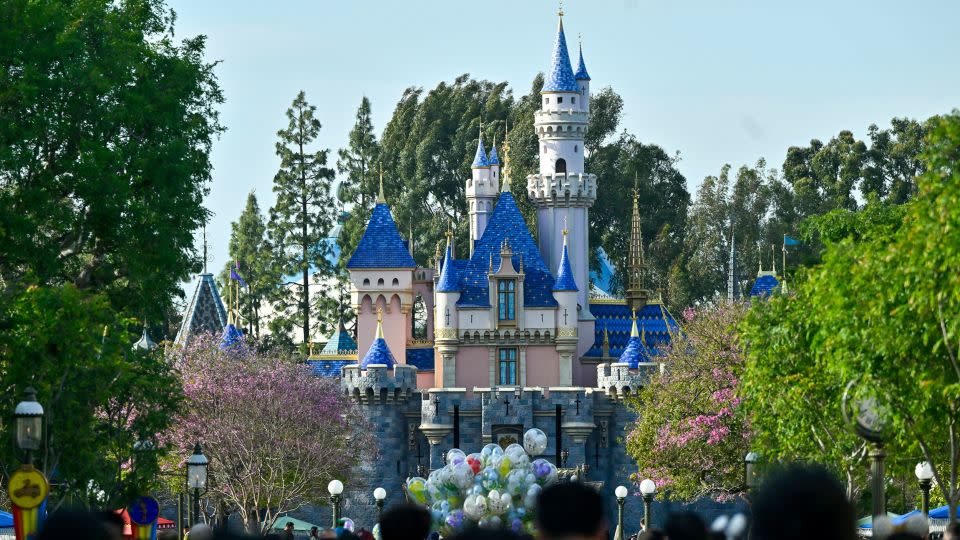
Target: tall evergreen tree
[
  {"x": 250, "y": 248},
  {"x": 358, "y": 161},
  {"x": 304, "y": 212}
]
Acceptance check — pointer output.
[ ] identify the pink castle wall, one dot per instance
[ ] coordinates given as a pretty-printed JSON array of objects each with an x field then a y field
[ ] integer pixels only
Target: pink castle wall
[
  {"x": 395, "y": 324},
  {"x": 585, "y": 374},
  {"x": 473, "y": 367},
  {"x": 425, "y": 379},
  {"x": 543, "y": 367}
]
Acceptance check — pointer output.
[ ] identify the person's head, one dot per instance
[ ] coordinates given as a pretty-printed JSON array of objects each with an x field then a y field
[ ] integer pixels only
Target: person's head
[
  {"x": 917, "y": 525},
  {"x": 74, "y": 524},
  {"x": 314, "y": 531},
  {"x": 570, "y": 510},
  {"x": 328, "y": 534},
  {"x": 685, "y": 526},
  {"x": 201, "y": 531},
  {"x": 952, "y": 532},
  {"x": 482, "y": 533},
  {"x": 288, "y": 526},
  {"x": 652, "y": 533},
  {"x": 405, "y": 522},
  {"x": 801, "y": 502}
]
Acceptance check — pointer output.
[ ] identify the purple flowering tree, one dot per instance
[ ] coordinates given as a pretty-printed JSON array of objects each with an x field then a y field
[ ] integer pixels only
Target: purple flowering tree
[
  {"x": 274, "y": 433},
  {"x": 690, "y": 436}
]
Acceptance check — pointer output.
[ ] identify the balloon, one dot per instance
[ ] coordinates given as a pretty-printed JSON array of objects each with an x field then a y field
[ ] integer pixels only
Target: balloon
[
  {"x": 516, "y": 482},
  {"x": 530, "y": 499},
  {"x": 455, "y": 519},
  {"x": 516, "y": 525},
  {"x": 461, "y": 475},
  {"x": 417, "y": 488},
  {"x": 545, "y": 472},
  {"x": 495, "y": 522},
  {"x": 473, "y": 460},
  {"x": 489, "y": 478},
  {"x": 504, "y": 466},
  {"x": 534, "y": 441},
  {"x": 493, "y": 502},
  {"x": 455, "y": 456},
  {"x": 348, "y": 524}
]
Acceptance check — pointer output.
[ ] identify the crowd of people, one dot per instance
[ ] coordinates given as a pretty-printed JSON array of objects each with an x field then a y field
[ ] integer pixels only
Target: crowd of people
[{"x": 801, "y": 502}]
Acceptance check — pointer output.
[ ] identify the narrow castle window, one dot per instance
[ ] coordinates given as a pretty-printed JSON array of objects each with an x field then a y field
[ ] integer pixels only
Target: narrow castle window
[
  {"x": 559, "y": 99},
  {"x": 506, "y": 300},
  {"x": 573, "y": 100},
  {"x": 507, "y": 367},
  {"x": 366, "y": 283},
  {"x": 419, "y": 318},
  {"x": 560, "y": 166},
  {"x": 546, "y": 101},
  {"x": 575, "y": 148},
  {"x": 380, "y": 282},
  {"x": 396, "y": 282}
]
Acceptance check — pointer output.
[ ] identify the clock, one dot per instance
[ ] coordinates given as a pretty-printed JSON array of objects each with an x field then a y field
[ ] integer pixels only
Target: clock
[{"x": 864, "y": 414}]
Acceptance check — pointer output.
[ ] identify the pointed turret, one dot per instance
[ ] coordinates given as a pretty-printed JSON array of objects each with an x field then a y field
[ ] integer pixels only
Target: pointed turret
[
  {"x": 635, "y": 351},
  {"x": 637, "y": 293},
  {"x": 565, "y": 280},
  {"x": 482, "y": 189},
  {"x": 581, "y": 74},
  {"x": 145, "y": 343},
  {"x": 448, "y": 273},
  {"x": 379, "y": 353},
  {"x": 493, "y": 158},
  {"x": 205, "y": 313},
  {"x": 480, "y": 159},
  {"x": 560, "y": 75}
]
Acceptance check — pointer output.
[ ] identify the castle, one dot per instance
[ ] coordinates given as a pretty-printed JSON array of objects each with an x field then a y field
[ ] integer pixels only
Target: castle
[{"x": 509, "y": 336}]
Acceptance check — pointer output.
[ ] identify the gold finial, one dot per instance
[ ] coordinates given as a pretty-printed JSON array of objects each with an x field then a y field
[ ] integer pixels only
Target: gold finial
[
  {"x": 379, "y": 323},
  {"x": 310, "y": 347},
  {"x": 380, "y": 197},
  {"x": 521, "y": 264},
  {"x": 560, "y": 11},
  {"x": 633, "y": 329},
  {"x": 449, "y": 233},
  {"x": 491, "y": 263},
  {"x": 606, "y": 335},
  {"x": 505, "y": 174}
]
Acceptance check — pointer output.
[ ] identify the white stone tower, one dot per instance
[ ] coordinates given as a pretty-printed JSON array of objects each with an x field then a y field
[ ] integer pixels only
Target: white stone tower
[
  {"x": 482, "y": 189},
  {"x": 562, "y": 192}
]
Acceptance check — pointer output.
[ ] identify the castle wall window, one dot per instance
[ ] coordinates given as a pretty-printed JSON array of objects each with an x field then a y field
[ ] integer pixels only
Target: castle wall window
[
  {"x": 396, "y": 282},
  {"x": 573, "y": 100},
  {"x": 506, "y": 300},
  {"x": 366, "y": 282},
  {"x": 559, "y": 99},
  {"x": 507, "y": 367},
  {"x": 380, "y": 282},
  {"x": 560, "y": 166},
  {"x": 419, "y": 318}
]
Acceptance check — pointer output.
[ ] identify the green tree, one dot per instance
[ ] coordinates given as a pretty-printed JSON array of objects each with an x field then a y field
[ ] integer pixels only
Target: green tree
[
  {"x": 304, "y": 212},
  {"x": 102, "y": 402},
  {"x": 887, "y": 314},
  {"x": 250, "y": 249},
  {"x": 106, "y": 123},
  {"x": 358, "y": 161}
]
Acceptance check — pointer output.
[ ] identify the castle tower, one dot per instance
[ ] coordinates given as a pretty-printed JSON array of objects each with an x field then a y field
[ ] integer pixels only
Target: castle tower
[
  {"x": 482, "y": 188},
  {"x": 565, "y": 291},
  {"x": 447, "y": 292},
  {"x": 637, "y": 293},
  {"x": 562, "y": 192}
]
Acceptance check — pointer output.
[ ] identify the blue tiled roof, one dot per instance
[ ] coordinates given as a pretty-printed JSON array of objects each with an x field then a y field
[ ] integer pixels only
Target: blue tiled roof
[
  {"x": 634, "y": 353},
  {"x": 764, "y": 285},
  {"x": 582, "y": 74},
  {"x": 654, "y": 322},
  {"x": 560, "y": 76},
  {"x": 480, "y": 158},
  {"x": 340, "y": 341},
  {"x": 231, "y": 337},
  {"x": 422, "y": 358},
  {"x": 381, "y": 245},
  {"x": 506, "y": 222},
  {"x": 328, "y": 368},
  {"x": 448, "y": 274},
  {"x": 565, "y": 281},
  {"x": 494, "y": 159},
  {"x": 379, "y": 353},
  {"x": 603, "y": 278}
]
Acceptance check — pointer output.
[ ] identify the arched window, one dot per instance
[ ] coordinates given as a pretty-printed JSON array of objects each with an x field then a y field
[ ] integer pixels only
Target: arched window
[
  {"x": 573, "y": 100},
  {"x": 575, "y": 149},
  {"x": 559, "y": 99},
  {"x": 544, "y": 149},
  {"x": 396, "y": 282},
  {"x": 506, "y": 300},
  {"x": 366, "y": 282},
  {"x": 380, "y": 282},
  {"x": 419, "y": 318},
  {"x": 560, "y": 166},
  {"x": 546, "y": 101}
]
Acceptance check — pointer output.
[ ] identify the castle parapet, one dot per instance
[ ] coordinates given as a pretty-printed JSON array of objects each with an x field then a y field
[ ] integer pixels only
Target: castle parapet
[
  {"x": 619, "y": 381},
  {"x": 376, "y": 384},
  {"x": 579, "y": 186}
]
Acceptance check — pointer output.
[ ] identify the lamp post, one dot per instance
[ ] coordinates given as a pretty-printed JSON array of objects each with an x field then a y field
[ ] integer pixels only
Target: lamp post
[
  {"x": 335, "y": 487},
  {"x": 29, "y": 418},
  {"x": 621, "y": 493},
  {"x": 564, "y": 456},
  {"x": 750, "y": 471},
  {"x": 924, "y": 473},
  {"x": 380, "y": 495},
  {"x": 197, "y": 478},
  {"x": 647, "y": 490}
]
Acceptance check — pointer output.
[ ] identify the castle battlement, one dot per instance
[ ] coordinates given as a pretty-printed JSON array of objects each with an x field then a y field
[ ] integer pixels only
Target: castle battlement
[
  {"x": 377, "y": 385},
  {"x": 561, "y": 124},
  {"x": 544, "y": 189},
  {"x": 618, "y": 380}
]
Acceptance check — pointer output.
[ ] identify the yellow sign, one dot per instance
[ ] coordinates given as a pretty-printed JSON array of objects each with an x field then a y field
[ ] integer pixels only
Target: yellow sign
[{"x": 28, "y": 488}]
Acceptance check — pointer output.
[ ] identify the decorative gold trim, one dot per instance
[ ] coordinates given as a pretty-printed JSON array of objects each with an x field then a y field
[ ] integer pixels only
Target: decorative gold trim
[
  {"x": 445, "y": 333},
  {"x": 567, "y": 332}
]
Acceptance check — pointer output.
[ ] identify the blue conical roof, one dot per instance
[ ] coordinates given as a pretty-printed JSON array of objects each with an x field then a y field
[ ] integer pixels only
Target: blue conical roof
[
  {"x": 379, "y": 352},
  {"x": 340, "y": 342},
  {"x": 232, "y": 336},
  {"x": 560, "y": 75},
  {"x": 565, "y": 280},
  {"x": 448, "y": 274},
  {"x": 381, "y": 245},
  {"x": 582, "y": 74},
  {"x": 480, "y": 159},
  {"x": 494, "y": 159},
  {"x": 635, "y": 352}
]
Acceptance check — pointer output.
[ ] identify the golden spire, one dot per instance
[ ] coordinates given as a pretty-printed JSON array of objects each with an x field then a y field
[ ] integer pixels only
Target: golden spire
[
  {"x": 521, "y": 264},
  {"x": 505, "y": 174},
  {"x": 636, "y": 262},
  {"x": 633, "y": 328},
  {"x": 606, "y": 335},
  {"x": 379, "y": 334},
  {"x": 491, "y": 262},
  {"x": 560, "y": 12},
  {"x": 380, "y": 197},
  {"x": 436, "y": 257}
]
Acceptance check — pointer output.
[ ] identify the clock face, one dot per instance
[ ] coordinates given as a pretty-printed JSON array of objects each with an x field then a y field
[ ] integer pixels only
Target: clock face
[{"x": 868, "y": 414}]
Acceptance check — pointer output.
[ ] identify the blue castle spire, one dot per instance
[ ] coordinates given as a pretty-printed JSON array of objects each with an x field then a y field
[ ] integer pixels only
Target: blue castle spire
[
  {"x": 494, "y": 159},
  {"x": 635, "y": 351},
  {"x": 560, "y": 75},
  {"x": 448, "y": 275},
  {"x": 480, "y": 159},
  {"x": 565, "y": 280},
  {"x": 582, "y": 74},
  {"x": 379, "y": 352}
]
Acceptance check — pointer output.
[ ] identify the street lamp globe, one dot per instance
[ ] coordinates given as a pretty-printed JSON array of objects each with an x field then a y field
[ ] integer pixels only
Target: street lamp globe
[
  {"x": 620, "y": 492},
  {"x": 648, "y": 487},
  {"x": 335, "y": 487},
  {"x": 29, "y": 417},
  {"x": 197, "y": 469},
  {"x": 750, "y": 469},
  {"x": 923, "y": 470},
  {"x": 378, "y": 494}
]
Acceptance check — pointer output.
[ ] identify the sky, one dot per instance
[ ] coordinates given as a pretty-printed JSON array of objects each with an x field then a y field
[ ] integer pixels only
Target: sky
[{"x": 719, "y": 81}]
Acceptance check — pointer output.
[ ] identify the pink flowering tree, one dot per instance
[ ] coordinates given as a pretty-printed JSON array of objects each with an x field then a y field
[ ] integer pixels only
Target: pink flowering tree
[
  {"x": 275, "y": 434},
  {"x": 690, "y": 436}
]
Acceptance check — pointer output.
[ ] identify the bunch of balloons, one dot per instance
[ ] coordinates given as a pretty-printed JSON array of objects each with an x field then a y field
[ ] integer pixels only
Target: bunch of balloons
[{"x": 491, "y": 488}]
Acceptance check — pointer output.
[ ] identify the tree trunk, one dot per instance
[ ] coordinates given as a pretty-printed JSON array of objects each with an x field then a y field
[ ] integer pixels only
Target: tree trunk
[{"x": 305, "y": 305}]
